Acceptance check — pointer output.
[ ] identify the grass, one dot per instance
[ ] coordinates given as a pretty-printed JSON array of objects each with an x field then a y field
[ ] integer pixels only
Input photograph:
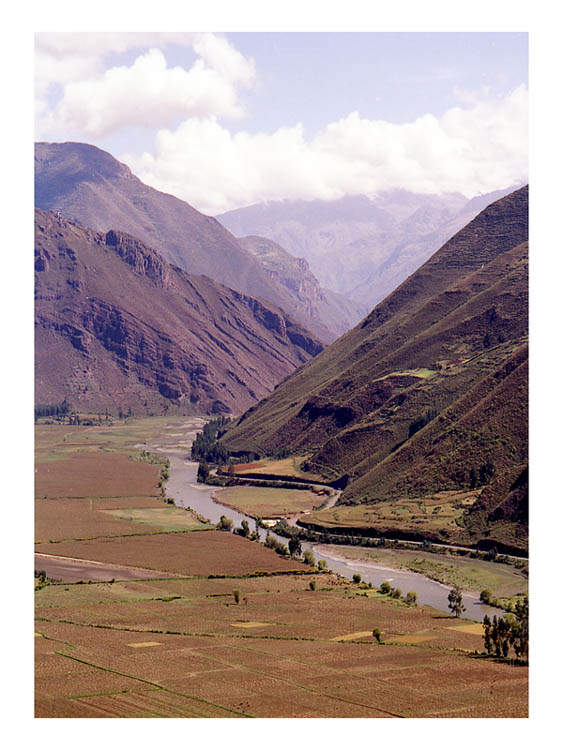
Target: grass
[
  {"x": 165, "y": 518},
  {"x": 267, "y": 501},
  {"x": 443, "y": 510},
  {"x": 470, "y": 574},
  {"x": 290, "y": 467}
]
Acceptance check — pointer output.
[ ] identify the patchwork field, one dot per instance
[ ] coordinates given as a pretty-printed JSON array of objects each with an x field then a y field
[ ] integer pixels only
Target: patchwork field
[
  {"x": 440, "y": 512},
  {"x": 185, "y": 648},
  {"x": 159, "y": 637},
  {"x": 267, "y": 501}
]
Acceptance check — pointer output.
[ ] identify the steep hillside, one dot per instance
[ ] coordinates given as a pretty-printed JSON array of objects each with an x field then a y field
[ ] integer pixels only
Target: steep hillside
[
  {"x": 88, "y": 185},
  {"x": 117, "y": 327},
  {"x": 429, "y": 392},
  {"x": 361, "y": 246},
  {"x": 330, "y": 308}
]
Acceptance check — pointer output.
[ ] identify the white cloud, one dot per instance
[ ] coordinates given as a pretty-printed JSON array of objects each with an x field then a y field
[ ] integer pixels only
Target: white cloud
[
  {"x": 475, "y": 149},
  {"x": 145, "y": 93}
]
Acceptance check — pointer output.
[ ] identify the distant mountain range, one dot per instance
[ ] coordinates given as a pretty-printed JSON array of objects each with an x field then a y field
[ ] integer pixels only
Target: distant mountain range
[
  {"x": 361, "y": 246},
  {"x": 117, "y": 326},
  {"x": 429, "y": 391},
  {"x": 88, "y": 185}
]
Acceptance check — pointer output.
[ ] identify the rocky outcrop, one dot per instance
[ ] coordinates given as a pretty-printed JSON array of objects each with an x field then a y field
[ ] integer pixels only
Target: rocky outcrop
[{"x": 117, "y": 327}]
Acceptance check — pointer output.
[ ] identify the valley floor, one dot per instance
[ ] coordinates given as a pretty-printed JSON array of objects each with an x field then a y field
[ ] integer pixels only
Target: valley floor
[{"x": 216, "y": 625}]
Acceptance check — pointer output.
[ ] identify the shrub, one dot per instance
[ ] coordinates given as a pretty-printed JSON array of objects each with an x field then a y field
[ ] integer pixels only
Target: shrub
[
  {"x": 396, "y": 593},
  {"x": 225, "y": 524},
  {"x": 411, "y": 597},
  {"x": 236, "y": 596},
  {"x": 485, "y": 596},
  {"x": 377, "y": 634},
  {"x": 312, "y": 585},
  {"x": 321, "y": 565},
  {"x": 309, "y": 558},
  {"x": 357, "y": 578},
  {"x": 385, "y": 587}
]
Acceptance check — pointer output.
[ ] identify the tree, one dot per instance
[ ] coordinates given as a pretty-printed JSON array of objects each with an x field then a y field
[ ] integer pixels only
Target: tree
[
  {"x": 377, "y": 634},
  {"x": 455, "y": 601},
  {"x": 244, "y": 529},
  {"x": 225, "y": 524},
  {"x": 309, "y": 558},
  {"x": 485, "y": 596},
  {"x": 294, "y": 546},
  {"x": 202, "y": 471},
  {"x": 321, "y": 565},
  {"x": 236, "y": 596},
  {"x": 312, "y": 585},
  {"x": 357, "y": 578},
  {"x": 385, "y": 587},
  {"x": 411, "y": 597}
]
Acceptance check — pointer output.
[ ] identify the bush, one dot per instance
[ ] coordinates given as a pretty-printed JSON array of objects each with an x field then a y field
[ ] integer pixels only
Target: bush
[
  {"x": 485, "y": 596},
  {"x": 385, "y": 587},
  {"x": 411, "y": 597},
  {"x": 225, "y": 524},
  {"x": 357, "y": 578},
  {"x": 312, "y": 585},
  {"x": 236, "y": 596},
  {"x": 396, "y": 593},
  {"x": 309, "y": 558},
  {"x": 377, "y": 634}
]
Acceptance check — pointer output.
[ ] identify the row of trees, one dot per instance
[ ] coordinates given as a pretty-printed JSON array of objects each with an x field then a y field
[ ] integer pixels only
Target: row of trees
[
  {"x": 206, "y": 447},
  {"x": 501, "y": 633}
]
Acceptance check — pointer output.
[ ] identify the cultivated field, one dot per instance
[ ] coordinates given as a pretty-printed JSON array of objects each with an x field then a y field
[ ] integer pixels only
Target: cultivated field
[
  {"x": 177, "y": 644},
  {"x": 267, "y": 501},
  {"x": 185, "y": 648},
  {"x": 439, "y": 512},
  {"x": 287, "y": 467}
]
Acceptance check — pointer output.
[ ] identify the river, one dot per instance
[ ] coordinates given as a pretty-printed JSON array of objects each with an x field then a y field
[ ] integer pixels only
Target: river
[{"x": 182, "y": 485}]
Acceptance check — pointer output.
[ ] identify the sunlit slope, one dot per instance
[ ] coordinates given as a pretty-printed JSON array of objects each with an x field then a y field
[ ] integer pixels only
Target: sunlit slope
[{"x": 432, "y": 384}]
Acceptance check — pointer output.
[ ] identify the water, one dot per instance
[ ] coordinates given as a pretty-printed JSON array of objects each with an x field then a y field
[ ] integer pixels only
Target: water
[{"x": 187, "y": 493}]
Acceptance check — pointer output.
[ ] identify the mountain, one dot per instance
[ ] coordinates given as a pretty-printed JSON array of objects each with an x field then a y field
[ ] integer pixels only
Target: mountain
[
  {"x": 333, "y": 309},
  {"x": 429, "y": 393},
  {"x": 361, "y": 246},
  {"x": 117, "y": 326},
  {"x": 88, "y": 185}
]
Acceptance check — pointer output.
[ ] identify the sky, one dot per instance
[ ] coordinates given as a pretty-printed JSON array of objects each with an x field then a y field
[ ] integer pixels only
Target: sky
[{"x": 225, "y": 120}]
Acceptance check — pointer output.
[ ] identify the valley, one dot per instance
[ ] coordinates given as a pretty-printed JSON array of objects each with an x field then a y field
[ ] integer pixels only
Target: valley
[{"x": 189, "y": 621}]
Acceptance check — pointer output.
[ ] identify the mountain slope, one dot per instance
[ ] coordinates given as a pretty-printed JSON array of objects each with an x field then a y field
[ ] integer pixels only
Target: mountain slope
[
  {"x": 333, "y": 309},
  {"x": 361, "y": 246},
  {"x": 118, "y": 326},
  {"x": 88, "y": 185},
  {"x": 429, "y": 388}
]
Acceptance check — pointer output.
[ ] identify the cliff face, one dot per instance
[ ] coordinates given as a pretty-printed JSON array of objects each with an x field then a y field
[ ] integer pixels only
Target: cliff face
[{"x": 118, "y": 326}]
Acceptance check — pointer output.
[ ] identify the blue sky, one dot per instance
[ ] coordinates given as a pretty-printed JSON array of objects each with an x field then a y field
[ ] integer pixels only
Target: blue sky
[{"x": 225, "y": 120}]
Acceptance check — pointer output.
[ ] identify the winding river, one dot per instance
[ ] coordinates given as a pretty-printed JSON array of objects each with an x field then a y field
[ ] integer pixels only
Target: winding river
[{"x": 182, "y": 485}]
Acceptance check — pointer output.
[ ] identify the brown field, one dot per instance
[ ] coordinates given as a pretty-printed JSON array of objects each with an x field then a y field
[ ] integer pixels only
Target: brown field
[
  {"x": 182, "y": 647},
  {"x": 96, "y": 475},
  {"x": 289, "y": 467},
  {"x": 268, "y": 501},
  {"x": 72, "y": 519},
  {"x": 202, "y": 554},
  {"x": 273, "y": 656}
]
